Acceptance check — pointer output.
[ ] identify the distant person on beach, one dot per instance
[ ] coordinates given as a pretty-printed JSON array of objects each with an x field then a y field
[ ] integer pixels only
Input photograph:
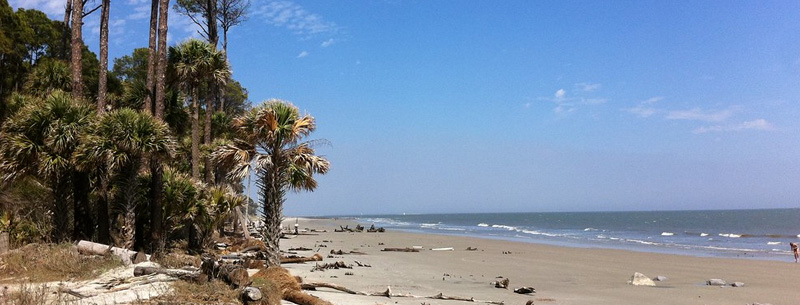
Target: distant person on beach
[{"x": 795, "y": 251}]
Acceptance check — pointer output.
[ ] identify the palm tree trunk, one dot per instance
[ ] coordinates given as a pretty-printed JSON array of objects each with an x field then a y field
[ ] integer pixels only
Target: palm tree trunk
[
  {"x": 101, "y": 88},
  {"x": 195, "y": 135},
  {"x": 83, "y": 225},
  {"x": 75, "y": 49},
  {"x": 103, "y": 217},
  {"x": 151, "y": 55},
  {"x": 207, "y": 136},
  {"x": 156, "y": 205},
  {"x": 60, "y": 209},
  {"x": 130, "y": 202},
  {"x": 272, "y": 198}
]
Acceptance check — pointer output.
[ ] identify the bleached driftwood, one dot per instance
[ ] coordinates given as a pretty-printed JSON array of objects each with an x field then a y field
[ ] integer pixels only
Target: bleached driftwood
[
  {"x": 186, "y": 275},
  {"x": 389, "y": 294},
  {"x": 336, "y": 265},
  {"x": 301, "y": 259},
  {"x": 400, "y": 250},
  {"x": 127, "y": 256}
]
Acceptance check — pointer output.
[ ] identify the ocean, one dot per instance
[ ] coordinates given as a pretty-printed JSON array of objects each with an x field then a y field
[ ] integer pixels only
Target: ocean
[{"x": 751, "y": 234}]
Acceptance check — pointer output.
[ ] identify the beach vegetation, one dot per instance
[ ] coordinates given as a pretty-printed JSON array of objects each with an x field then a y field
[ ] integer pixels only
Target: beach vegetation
[{"x": 271, "y": 142}]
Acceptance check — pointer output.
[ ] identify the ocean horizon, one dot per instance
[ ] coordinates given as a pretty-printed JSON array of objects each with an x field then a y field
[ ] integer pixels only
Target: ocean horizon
[{"x": 762, "y": 234}]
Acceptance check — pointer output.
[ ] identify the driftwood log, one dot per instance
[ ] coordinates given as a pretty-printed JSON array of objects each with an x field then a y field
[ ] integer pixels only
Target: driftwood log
[
  {"x": 389, "y": 294},
  {"x": 127, "y": 256},
  {"x": 235, "y": 275},
  {"x": 336, "y": 265},
  {"x": 301, "y": 259},
  {"x": 400, "y": 250},
  {"x": 186, "y": 275}
]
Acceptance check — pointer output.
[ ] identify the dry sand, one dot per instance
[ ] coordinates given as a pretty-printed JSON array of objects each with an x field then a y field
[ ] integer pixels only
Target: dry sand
[{"x": 561, "y": 275}]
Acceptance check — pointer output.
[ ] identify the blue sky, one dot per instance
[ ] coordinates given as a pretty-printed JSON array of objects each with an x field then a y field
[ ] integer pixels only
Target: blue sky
[{"x": 484, "y": 106}]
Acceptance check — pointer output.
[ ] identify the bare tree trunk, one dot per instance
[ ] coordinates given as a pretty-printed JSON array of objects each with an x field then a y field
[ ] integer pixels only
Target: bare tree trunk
[
  {"x": 75, "y": 49},
  {"x": 101, "y": 88},
  {"x": 61, "y": 210},
  {"x": 151, "y": 55},
  {"x": 156, "y": 188},
  {"x": 66, "y": 30},
  {"x": 161, "y": 65},
  {"x": 195, "y": 135},
  {"x": 211, "y": 21},
  {"x": 213, "y": 38},
  {"x": 209, "y": 173},
  {"x": 83, "y": 224},
  {"x": 103, "y": 216}
]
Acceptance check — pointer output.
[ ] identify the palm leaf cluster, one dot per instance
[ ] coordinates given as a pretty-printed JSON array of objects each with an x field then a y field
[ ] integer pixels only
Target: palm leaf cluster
[{"x": 270, "y": 143}]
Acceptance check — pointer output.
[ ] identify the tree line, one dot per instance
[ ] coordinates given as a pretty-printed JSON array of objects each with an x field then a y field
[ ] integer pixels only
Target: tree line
[{"x": 117, "y": 156}]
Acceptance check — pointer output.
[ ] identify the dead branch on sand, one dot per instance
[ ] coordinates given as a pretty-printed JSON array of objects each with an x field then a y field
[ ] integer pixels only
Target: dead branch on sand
[{"x": 388, "y": 293}]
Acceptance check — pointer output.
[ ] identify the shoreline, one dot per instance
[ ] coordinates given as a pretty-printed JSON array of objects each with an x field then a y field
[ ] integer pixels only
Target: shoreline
[{"x": 561, "y": 275}]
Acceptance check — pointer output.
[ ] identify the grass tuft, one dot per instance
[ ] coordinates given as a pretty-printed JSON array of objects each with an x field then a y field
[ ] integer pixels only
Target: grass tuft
[{"x": 45, "y": 263}]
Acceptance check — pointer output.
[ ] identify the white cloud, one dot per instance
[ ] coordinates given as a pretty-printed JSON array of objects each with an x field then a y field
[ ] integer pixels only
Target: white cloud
[
  {"x": 642, "y": 111},
  {"x": 53, "y": 8},
  {"x": 560, "y": 93},
  {"x": 697, "y": 114},
  {"x": 758, "y": 124},
  {"x": 140, "y": 12},
  {"x": 644, "y": 108},
  {"x": 327, "y": 43},
  {"x": 587, "y": 87},
  {"x": 292, "y": 16},
  {"x": 302, "y": 54},
  {"x": 652, "y": 100}
]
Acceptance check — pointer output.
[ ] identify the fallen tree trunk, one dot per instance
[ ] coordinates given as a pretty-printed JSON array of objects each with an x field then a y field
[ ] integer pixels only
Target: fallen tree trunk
[
  {"x": 301, "y": 259},
  {"x": 400, "y": 250},
  {"x": 127, "y": 256},
  {"x": 388, "y": 293},
  {"x": 235, "y": 275},
  {"x": 185, "y": 275}
]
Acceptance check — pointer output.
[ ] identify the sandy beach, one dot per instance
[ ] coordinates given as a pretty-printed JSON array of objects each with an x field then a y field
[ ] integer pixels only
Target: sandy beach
[{"x": 561, "y": 275}]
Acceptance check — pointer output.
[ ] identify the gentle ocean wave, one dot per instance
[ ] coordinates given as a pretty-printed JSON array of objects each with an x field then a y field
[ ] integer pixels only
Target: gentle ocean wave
[{"x": 753, "y": 233}]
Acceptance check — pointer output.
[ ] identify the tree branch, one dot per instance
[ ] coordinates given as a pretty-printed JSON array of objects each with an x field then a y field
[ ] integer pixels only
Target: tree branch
[{"x": 92, "y": 10}]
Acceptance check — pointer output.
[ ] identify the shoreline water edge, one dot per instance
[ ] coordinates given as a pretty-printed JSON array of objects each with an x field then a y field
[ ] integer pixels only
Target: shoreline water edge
[
  {"x": 751, "y": 234},
  {"x": 465, "y": 266}
]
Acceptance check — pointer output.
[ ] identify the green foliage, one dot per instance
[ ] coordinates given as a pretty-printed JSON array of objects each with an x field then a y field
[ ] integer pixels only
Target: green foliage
[
  {"x": 132, "y": 67},
  {"x": 48, "y": 75}
]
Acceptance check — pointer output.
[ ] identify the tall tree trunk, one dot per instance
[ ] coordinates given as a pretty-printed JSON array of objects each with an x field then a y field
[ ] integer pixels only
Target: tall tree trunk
[
  {"x": 66, "y": 30},
  {"x": 272, "y": 198},
  {"x": 156, "y": 170},
  {"x": 211, "y": 21},
  {"x": 225, "y": 40},
  {"x": 209, "y": 173},
  {"x": 103, "y": 216},
  {"x": 213, "y": 39},
  {"x": 83, "y": 225},
  {"x": 101, "y": 87},
  {"x": 161, "y": 64},
  {"x": 75, "y": 49},
  {"x": 195, "y": 135},
  {"x": 60, "y": 209},
  {"x": 151, "y": 55}
]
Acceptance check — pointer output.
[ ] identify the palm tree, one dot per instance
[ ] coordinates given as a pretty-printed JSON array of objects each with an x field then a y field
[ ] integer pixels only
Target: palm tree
[
  {"x": 217, "y": 205},
  {"x": 195, "y": 62},
  {"x": 270, "y": 140},
  {"x": 39, "y": 141},
  {"x": 219, "y": 72},
  {"x": 118, "y": 143}
]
